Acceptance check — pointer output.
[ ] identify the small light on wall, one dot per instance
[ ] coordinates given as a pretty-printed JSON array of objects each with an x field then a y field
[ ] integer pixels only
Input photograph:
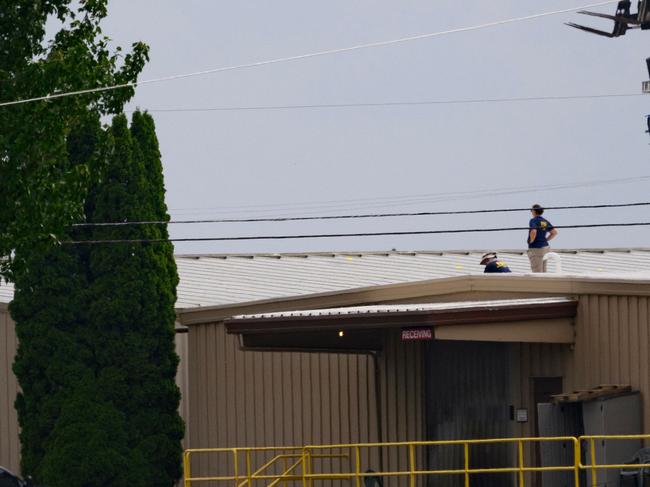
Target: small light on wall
[{"x": 341, "y": 333}]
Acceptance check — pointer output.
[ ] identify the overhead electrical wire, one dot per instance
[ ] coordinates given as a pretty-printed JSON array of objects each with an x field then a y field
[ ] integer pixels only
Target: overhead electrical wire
[
  {"x": 374, "y": 202},
  {"x": 339, "y": 235},
  {"x": 460, "y": 101},
  {"x": 57, "y": 95},
  {"x": 355, "y": 216}
]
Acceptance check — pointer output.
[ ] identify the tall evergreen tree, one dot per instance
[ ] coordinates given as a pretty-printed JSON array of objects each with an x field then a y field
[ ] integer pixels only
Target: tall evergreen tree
[
  {"x": 132, "y": 291},
  {"x": 48, "y": 309},
  {"x": 101, "y": 405}
]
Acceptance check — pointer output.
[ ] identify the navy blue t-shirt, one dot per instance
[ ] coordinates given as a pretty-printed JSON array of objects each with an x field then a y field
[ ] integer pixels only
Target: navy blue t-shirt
[
  {"x": 543, "y": 226},
  {"x": 496, "y": 266}
]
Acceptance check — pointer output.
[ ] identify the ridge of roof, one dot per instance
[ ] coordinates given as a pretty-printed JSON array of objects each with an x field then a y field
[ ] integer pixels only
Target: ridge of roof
[{"x": 360, "y": 253}]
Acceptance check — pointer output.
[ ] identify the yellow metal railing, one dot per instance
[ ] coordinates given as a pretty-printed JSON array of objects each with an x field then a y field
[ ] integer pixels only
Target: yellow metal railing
[
  {"x": 593, "y": 467},
  {"x": 248, "y": 476},
  {"x": 298, "y": 462},
  {"x": 413, "y": 471}
]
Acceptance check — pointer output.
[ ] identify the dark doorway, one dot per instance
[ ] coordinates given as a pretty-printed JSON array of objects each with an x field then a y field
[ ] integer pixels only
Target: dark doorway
[
  {"x": 467, "y": 397},
  {"x": 543, "y": 388}
]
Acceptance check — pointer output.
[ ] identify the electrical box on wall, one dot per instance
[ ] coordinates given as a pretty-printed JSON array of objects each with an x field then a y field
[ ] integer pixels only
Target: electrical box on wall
[
  {"x": 619, "y": 415},
  {"x": 614, "y": 415}
]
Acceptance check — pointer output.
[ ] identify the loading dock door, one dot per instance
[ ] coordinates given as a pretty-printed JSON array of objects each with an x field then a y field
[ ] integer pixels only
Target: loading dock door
[{"x": 466, "y": 385}]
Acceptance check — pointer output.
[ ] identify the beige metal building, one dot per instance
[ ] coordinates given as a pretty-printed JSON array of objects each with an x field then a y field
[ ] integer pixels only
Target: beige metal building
[
  {"x": 464, "y": 383},
  {"x": 299, "y": 382}
]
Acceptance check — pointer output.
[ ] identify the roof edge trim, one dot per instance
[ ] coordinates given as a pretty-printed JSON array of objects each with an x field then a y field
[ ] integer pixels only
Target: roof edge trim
[{"x": 554, "y": 284}]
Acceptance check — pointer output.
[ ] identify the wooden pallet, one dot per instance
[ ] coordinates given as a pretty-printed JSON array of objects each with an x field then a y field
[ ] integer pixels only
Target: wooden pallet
[{"x": 603, "y": 390}]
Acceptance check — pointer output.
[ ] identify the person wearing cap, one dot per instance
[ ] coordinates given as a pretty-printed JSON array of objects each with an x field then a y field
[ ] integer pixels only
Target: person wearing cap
[
  {"x": 492, "y": 264},
  {"x": 539, "y": 233}
]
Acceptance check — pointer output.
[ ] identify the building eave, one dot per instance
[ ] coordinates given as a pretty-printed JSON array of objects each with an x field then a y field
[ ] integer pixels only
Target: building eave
[{"x": 539, "y": 284}]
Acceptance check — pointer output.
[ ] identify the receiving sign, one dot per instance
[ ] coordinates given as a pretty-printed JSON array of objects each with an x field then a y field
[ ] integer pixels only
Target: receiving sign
[{"x": 417, "y": 334}]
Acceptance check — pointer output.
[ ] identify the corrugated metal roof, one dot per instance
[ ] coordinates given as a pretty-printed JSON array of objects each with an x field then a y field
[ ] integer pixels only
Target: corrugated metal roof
[
  {"x": 227, "y": 279},
  {"x": 6, "y": 292},
  {"x": 217, "y": 280},
  {"x": 404, "y": 308}
]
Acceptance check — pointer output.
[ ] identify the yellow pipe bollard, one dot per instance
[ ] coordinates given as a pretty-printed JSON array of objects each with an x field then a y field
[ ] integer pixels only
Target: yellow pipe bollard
[
  {"x": 520, "y": 454},
  {"x": 466, "y": 448},
  {"x": 357, "y": 461}
]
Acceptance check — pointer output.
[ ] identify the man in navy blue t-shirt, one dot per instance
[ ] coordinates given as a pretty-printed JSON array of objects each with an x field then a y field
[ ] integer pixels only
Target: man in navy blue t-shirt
[
  {"x": 539, "y": 233},
  {"x": 492, "y": 264}
]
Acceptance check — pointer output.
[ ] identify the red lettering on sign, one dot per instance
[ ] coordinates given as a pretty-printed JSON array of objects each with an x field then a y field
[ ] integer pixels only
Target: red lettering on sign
[{"x": 417, "y": 334}]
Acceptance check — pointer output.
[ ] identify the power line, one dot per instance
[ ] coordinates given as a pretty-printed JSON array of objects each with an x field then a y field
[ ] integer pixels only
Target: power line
[
  {"x": 339, "y": 235},
  {"x": 361, "y": 203},
  {"x": 301, "y": 56},
  {"x": 356, "y": 216},
  {"x": 460, "y": 101}
]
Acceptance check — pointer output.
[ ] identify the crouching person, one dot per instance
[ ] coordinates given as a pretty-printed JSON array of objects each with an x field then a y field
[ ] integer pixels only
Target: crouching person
[{"x": 493, "y": 264}]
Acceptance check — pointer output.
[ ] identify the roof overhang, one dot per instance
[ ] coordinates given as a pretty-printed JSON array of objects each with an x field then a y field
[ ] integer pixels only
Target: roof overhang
[
  {"x": 356, "y": 328},
  {"x": 510, "y": 285}
]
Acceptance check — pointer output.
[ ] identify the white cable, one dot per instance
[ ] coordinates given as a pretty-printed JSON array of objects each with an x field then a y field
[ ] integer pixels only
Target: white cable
[
  {"x": 304, "y": 56},
  {"x": 459, "y": 101},
  {"x": 306, "y": 208}
]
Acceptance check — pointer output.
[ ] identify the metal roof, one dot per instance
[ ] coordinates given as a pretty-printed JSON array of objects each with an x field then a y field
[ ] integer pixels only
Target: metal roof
[
  {"x": 355, "y": 328},
  {"x": 6, "y": 292},
  {"x": 221, "y": 280},
  {"x": 404, "y": 308}
]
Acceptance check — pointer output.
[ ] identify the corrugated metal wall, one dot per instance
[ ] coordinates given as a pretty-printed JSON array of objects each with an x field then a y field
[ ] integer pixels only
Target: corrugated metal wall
[
  {"x": 532, "y": 360},
  {"x": 613, "y": 345},
  {"x": 9, "y": 443},
  {"x": 251, "y": 398},
  {"x": 182, "y": 380},
  {"x": 401, "y": 388},
  {"x": 263, "y": 398}
]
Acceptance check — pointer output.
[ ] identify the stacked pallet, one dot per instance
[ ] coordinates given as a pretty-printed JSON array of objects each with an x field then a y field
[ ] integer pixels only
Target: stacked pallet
[{"x": 604, "y": 390}]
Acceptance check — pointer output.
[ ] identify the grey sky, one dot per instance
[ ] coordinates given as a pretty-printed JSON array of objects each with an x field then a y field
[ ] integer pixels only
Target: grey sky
[{"x": 293, "y": 161}]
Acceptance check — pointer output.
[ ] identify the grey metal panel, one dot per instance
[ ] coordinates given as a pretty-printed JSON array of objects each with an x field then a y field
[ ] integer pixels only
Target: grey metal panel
[
  {"x": 467, "y": 396},
  {"x": 613, "y": 416}
]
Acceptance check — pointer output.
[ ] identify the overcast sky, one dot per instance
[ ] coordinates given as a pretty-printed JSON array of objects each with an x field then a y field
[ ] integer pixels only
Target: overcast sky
[{"x": 321, "y": 161}]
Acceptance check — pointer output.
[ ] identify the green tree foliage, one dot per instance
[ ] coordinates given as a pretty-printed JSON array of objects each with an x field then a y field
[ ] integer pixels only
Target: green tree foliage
[
  {"x": 135, "y": 284},
  {"x": 89, "y": 444},
  {"x": 41, "y": 191},
  {"x": 97, "y": 366},
  {"x": 48, "y": 308}
]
